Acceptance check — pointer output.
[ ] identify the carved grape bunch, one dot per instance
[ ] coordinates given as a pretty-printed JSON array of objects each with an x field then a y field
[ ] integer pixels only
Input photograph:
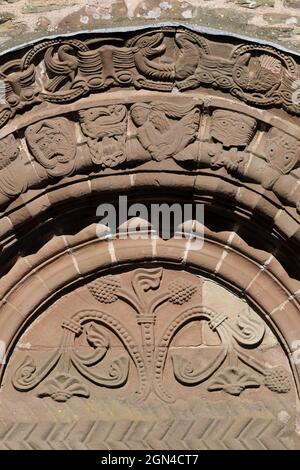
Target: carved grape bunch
[
  {"x": 277, "y": 380},
  {"x": 105, "y": 289},
  {"x": 181, "y": 291}
]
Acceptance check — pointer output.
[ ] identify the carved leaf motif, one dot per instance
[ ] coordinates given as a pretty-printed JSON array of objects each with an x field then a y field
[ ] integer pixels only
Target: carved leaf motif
[
  {"x": 148, "y": 278},
  {"x": 28, "y": 376},
  {"x": 151, "y": 349},
  {"x": 233, "y": 381},
  {"x": 116, "y": 376},
  {"x": 186, "y": 373},
  {"x": 25, "y": 373},
  {"x": 62, "y": 387},
  {"x": 98, "y": 341},
  {"x": 118, "y": 369},
  {"x": 95, "y": 337},
  {"x": 251, "y": 330}
]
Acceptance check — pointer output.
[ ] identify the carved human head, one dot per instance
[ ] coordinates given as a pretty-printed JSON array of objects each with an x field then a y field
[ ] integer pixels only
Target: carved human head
[
  {"x": 140, "y": 113},
  {"x": 282, "y": 150},
  {"x": 53, "y": 144},
  {"x": 232, "y": 129}
]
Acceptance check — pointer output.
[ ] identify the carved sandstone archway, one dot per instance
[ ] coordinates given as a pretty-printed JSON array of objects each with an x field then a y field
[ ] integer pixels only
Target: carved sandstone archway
[{"x": 142, "y": 342}]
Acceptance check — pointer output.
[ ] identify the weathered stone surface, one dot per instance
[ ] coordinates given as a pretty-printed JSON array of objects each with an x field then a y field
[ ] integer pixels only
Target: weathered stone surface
[
  {"x": 74, "y": 15},
  {"x": 292, "y": 3},
  {"x": 4, "y": 17},
  {"x": 37, "y": 6},
  {"x": 43, "y": 24},
  {"x": 254, "y": 3}
]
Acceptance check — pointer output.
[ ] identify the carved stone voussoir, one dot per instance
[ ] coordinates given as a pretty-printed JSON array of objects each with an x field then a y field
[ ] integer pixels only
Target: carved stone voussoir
[
  {"x": 105, "y": 129},
  {"x": 53, "y": 144},
  {"x": 282, "y": 151},
  {"x": 164, "y": 130}
]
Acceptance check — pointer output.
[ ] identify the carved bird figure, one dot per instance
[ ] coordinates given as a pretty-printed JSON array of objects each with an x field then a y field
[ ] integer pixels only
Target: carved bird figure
[
  {"x": 103, "y": 121},
  {"x": 189, "y": 56},
  {"x": 145, "y": 51},
  {"x": 20, "y": 86},
  {"x": 64, "y": 66}
]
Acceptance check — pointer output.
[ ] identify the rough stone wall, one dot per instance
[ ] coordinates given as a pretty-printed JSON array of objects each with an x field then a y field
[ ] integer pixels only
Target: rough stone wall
[{"x": 273, "y": 20}]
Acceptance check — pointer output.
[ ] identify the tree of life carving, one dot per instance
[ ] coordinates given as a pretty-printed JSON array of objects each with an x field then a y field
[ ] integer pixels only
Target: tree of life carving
[{"x": 232, "y": 369}]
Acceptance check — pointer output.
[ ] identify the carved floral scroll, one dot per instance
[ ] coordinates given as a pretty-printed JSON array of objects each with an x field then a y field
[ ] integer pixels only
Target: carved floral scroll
[{"x": 231, "y": 366}]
